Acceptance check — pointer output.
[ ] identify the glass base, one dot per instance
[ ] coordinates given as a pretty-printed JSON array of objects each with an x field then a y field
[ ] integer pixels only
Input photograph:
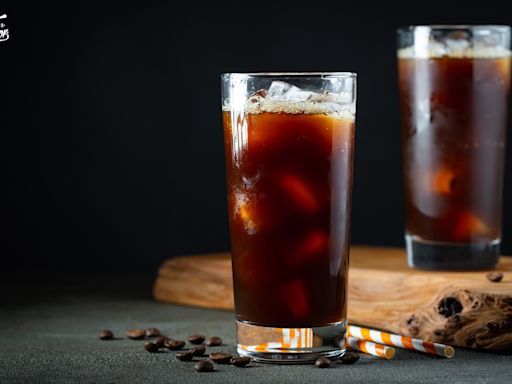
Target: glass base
[
  {"x": 290, "y": 345},
  {"x": 441, "y": 256}
]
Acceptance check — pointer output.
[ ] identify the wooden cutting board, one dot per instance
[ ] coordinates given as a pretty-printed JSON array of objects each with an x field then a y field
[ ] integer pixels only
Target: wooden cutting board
[{"x": 458, "y": 308}]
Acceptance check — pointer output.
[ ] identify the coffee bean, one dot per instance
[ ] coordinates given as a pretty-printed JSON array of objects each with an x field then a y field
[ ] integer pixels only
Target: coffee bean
[
  {"x": 152, "y": 332},
  {"x": 151, "y": 347},
  {"x": 136, "y": 334},
  {"x": 184, "y": 355},
  {"x": 220, "y": 357},
  {"x": 198, "y": 350},
  {"x": 106, "y": 335},
  {"x": 495, "y": 277},
  {"x": 213, "y": 341},
  {"x": 322, "y": 362},
  {"x": 174, "y": 344},
  {"x": 240, "y": 361},
  {"x": 348, "y": 358},
  {"x": 196, "y": 339},
  {"x": 160, "y": 341},
  {"x": 203, "y": 366}
]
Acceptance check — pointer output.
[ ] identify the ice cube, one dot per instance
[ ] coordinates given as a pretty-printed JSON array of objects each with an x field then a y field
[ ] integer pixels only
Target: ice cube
[
  {"x": 312, "y": 248},
  {"x": 294, "y": 296},
  {"x": 457, "y": 43},
  {"x": 338, "y": 98},
  {"x": 436, "y": 49},
  {"x": 430, "y": 190},
  {"x": 469, "y": 225},
  {"x": 314, "y": 243},
  {"x": 444, "y": 181},
  {"x": 278, "y": 89},
  {"x": 297, "y": 94},
  {"x": 300, "y": 193}
]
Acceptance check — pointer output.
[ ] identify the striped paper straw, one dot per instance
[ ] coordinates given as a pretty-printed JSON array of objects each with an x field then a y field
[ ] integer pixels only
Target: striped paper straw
[
  {"x": 400, "y": 341},
  {"x": 285, "y": 339},
  {"x": 371, "y": 348}
]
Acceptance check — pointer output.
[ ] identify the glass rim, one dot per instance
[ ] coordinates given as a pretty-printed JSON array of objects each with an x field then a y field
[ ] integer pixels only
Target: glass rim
[
  {"x": 456, "y": 27},
  {"x": 319, "y": 75}
]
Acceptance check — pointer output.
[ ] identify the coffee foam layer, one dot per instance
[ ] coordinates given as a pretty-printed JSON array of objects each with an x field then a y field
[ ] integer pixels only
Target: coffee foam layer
[
  {"x": 299, "y": 107},
  {"x": 438, "y": 50},
  {"x": 286, "y": 98}
]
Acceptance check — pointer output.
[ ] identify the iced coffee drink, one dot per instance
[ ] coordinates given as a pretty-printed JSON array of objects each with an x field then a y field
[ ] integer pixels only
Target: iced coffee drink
[
  {"x": 289, "y": 154},
  {"x": 454, "y": 85}
]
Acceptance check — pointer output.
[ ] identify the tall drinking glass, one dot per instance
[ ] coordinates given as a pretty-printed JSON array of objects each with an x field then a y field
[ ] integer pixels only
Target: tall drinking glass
[
  {"x": 454, "y": 85},
  {"x": 289, "y": 141}
]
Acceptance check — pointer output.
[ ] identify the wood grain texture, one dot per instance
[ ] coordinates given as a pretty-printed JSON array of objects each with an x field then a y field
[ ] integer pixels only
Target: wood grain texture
[
  {"x": 200, "y": 280},
  {"x": 458, "y": 308}
]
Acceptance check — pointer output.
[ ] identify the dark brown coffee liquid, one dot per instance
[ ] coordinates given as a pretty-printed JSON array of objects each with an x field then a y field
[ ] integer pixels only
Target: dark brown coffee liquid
[
  {"x": 289, "y": 183},
  {"x": 453, "y": 115}
]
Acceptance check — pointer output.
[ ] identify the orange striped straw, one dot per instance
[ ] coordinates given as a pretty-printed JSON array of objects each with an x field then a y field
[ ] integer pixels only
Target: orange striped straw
[
  {"x": 285, "y": 339},
  {"x": 371, "y": 348},
  {"x": 292, "y": 340},
  {"x": 400, "y": 341}
]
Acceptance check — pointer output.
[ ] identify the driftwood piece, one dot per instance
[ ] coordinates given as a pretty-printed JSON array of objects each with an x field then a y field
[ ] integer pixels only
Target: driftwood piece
[
  {"x": 458, "y": 308},
  {"x": 465, "y": 316}
]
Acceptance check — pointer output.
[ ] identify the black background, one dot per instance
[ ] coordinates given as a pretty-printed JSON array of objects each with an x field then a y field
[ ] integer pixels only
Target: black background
[{"x": 112, "y": 147}]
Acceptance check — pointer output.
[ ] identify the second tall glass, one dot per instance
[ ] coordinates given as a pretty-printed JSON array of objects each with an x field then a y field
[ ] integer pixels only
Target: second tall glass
[
  {"x": 289, "y": 140},
  {"x": 454, "y": 85}
]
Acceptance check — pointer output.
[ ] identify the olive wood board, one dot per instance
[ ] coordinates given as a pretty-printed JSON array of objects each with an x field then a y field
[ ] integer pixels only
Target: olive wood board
[{"x": 458, "y": 308}]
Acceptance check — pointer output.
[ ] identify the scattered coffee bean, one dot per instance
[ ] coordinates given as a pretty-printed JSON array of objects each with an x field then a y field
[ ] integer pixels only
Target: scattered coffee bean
[
  {"x": 184, "y": 355},
  {"x": 196, "y": 339},
  {"x": 136, "y": 334},
  {"x": 160, "y": 341},
  {"x": 349, "y": 358},
  {"x": 240, "y": 361},
  {"x": 151, "y": 347},
  {"x": 199, "y": 350},
  {"x": 203, "y": 366},
  {"x": 220, "y": 357},
  {"x": 106, "y": 335},
  {"x": 495, "y": 277},
  {"x": 174, "y": 344},
  {"x": 213, "y": 341},
  {"x": 152, "y": 332},
  {"x": 322, "y": 362}
]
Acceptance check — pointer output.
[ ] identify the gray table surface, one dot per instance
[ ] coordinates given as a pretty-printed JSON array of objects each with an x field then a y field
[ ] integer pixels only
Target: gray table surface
[{"x": 48, "y": 333}]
